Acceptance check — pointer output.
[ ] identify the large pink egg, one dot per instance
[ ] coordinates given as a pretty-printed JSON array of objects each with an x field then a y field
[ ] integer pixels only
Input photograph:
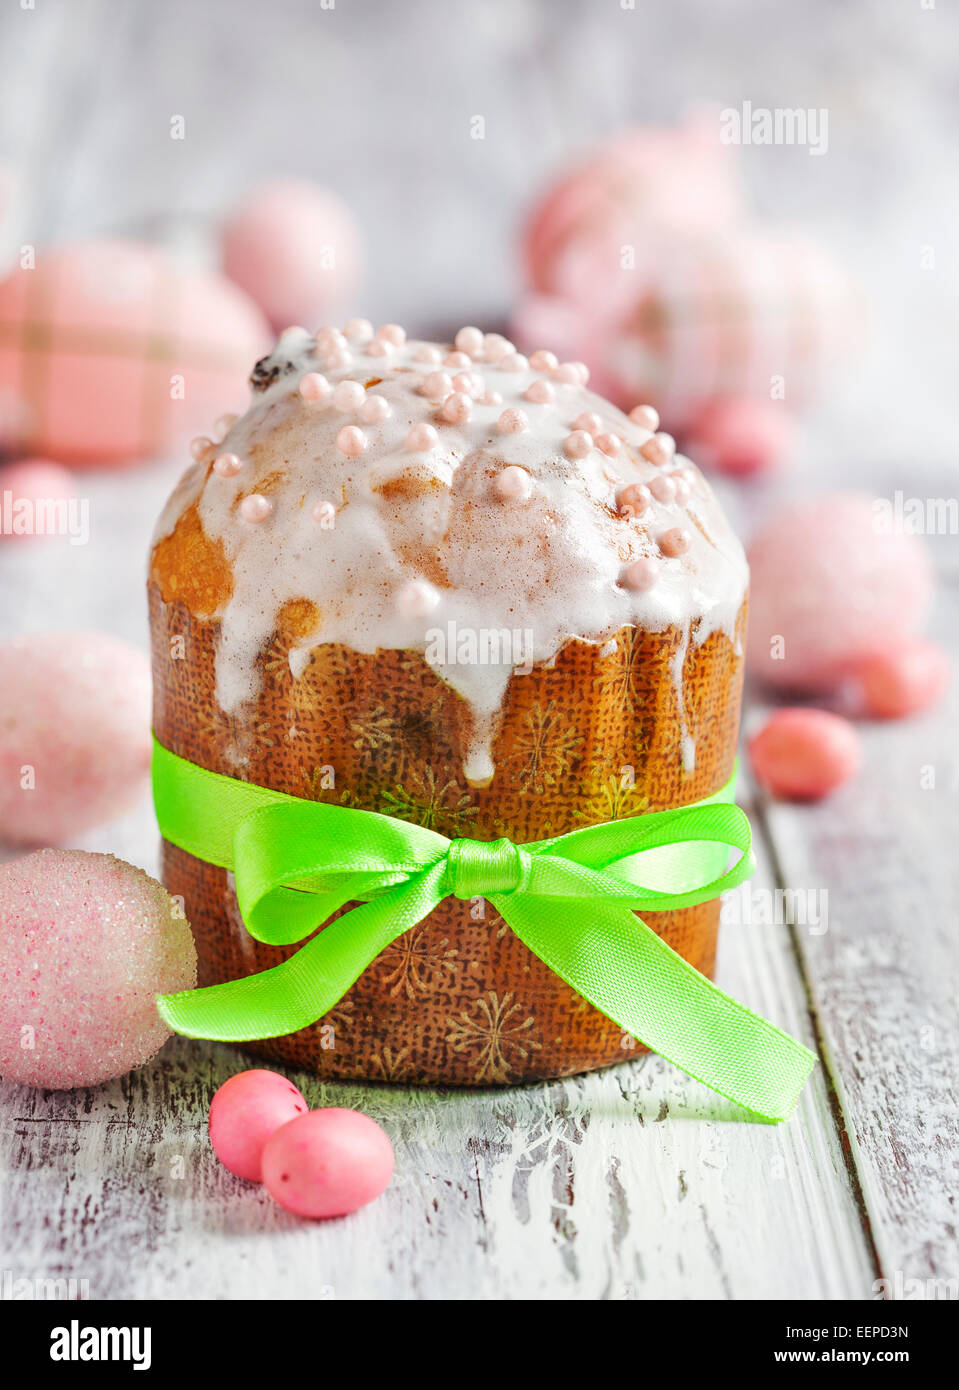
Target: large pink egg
[
  {"x": 86, "y": 943},
  {"x": 34, "y": 499},
  {"x": 804, "y": 754},
  {"x": 295, "y": 248},
  {"x": 832, "y": 585},
  {"x": 327, "y": 1163},
  {"x": 74, "y": 734},
  {"x": 110, "y": 352},
  {"x": 245, "y": 1111},
  {"x": 740, "y": 435},
  {"x": 903, "y": 680}
]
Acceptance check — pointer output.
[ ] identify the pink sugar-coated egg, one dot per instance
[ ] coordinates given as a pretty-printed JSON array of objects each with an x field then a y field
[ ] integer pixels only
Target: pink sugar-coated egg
[
  {"x": 29, "y": 482},
  {"x": 902, "y": 680},
  {"x": 86, "y": 943},
  {"x": 295, "y": 248},
  {"x": 741, "y": 436},
  {"x": 829, "y": 588},
  {"x": 245, "y": 1111},
  {"x": 74, "y": 734},
  {"x": 804, "y": 754},
  {"x": 327, "y": 1163},
  {"x": 111, "y": 352}
]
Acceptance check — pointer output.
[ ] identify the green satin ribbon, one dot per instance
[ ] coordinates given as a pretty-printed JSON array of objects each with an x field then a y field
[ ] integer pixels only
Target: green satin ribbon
[{"x": 571, "y": 900}]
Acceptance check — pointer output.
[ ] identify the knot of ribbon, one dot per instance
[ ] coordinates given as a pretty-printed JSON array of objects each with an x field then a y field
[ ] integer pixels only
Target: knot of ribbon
[{"x": 572, "y": 900}]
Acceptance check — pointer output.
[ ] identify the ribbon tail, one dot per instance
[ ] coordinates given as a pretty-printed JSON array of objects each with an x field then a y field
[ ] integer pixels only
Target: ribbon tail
[
  {"x": 301, "y": 990},
  {"x": 615, "y": 961}
]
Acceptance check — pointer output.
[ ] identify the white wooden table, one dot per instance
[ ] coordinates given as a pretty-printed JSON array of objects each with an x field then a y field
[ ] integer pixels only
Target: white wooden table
[{"x": 634, "y": 1183}]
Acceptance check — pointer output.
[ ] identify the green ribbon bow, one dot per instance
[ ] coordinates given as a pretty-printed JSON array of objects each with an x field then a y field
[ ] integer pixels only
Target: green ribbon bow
[{"x": 571, "y": 900}]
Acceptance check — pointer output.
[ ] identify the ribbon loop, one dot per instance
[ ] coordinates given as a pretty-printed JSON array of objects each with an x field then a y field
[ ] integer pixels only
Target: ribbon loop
[{"x": 478, "y": 868}]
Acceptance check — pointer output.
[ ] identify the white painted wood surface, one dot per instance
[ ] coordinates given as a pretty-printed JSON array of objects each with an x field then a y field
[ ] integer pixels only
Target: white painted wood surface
[{"x": 635, "y": 1183}]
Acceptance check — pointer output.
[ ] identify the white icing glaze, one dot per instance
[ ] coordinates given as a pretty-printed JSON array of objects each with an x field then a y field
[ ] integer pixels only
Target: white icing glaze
[{"x": 545, "y": 567}]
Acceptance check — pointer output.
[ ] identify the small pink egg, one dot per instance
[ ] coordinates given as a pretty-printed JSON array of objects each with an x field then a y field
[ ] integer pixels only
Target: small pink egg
[
  {"x": 245, "y": 1111},
  {"x": 645, "y": 416},
  {"x": 804, "y": 754},
  {"x": 327, "y": 1163},
  {"x": 470, "y": 341},
  {"x": 903, "y": 680},
  {"x": 314, "y": 387},
  {"x": 641, "y": 574},
  {"x": 29, "y": 482}
]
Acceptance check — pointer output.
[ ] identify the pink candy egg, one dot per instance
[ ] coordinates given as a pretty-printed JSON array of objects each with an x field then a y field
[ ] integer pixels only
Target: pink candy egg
[
  {"x": 33, "y": 498},
  {"x": 74, "y": 734},
  {"x": 804, "y": 754},
  {"x": 327, "y": 1163},
  {"x": 110, "y": 352},
  {"x": 741, "y": 435},
  {"x": 902, "y": 680},
  {"x": 245, "y": 1111},
  {"x": 295, "y": 248},
  {"x": 831, "y": 585},
  {"x": 86, "y": 943}
]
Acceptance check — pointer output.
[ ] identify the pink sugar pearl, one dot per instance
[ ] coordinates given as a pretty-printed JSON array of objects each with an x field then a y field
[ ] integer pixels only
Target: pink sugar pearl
[
  {"x": 223, "y": 424},
  {"x": 902, "y": 680},
  {"x": 428, "y": 355},
  {"x": 513, "y": 484},
  {"x": 675, "y": 542},
  {"x": 327, "y": 1163},
  {"x": 513, "y": 422},
  {"x": 31, "y": 481},
  {"x": 804, "y": 754},
  {"x": 338, "y": 361},
  {"x": 436, "y": 385},
  {"x": 634, "y": 499},
  {"x": 609, "y": 444},
  {"x": 256, "y": 508},
  {"x": 375, "y": 409},
  {"x": 457, "y": 408},
  {"x": 417, "y": 599},
  {"x": 422, "y": 438},
  {"x": 659, "y": 449},
  {"x": 314, "y": 387},
  {"x": 646, "y": 417},
  {"x": 358, "y": 330},
  {"x": 514, "y": 362},
  {"x": 86, "y": 942},
  {"x": 470, "y": 383},
  {"x": 330, "y": 340},
  {"x": 641, "y": 574},
  {"x": 348, "y": 395},
  {"x": 245, "y": 1111},
  {"x": 74, "y": 734},
  {"x": 663, "y": 489},
  {"x": 496, "y": 347},
  {"x": 470, "y": 341},
  {"x": 351, "y": 441},
  {"x": 379, "y": 347},
  {"x": 588, "y": 421},
  {"x": 578, "y": 444},
  {"x": 491, "y": 398},
  {"x": 540, "y": 393},
  {"x": 227, "y": 465},
  {"x": 460, "y": 360},
  {"x": 200, "y": 447},
  {"x": 391, "y": 333},
  {"x": 543, "y": 361}
]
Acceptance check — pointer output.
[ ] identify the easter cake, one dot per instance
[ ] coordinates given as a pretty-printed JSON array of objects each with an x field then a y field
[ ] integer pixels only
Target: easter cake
[{"x": 451, "y": 585}]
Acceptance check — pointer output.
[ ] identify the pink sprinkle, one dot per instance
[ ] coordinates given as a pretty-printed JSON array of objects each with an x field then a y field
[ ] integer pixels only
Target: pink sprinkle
[
  {"x": 417, "y": 599},
  {"x": 436, "y": 385},
  {"x": 609, "y": 443},
  {"x": 391, "y": 333},
  {"x": 324, "y": 513},
  {"x": 200, "y": 447},
  {"x": 374, "y": 409},
  {"x": 645, "y": 416},
  {"x": 314, "y": 387},
  {"x": 227, "y": 465},
  {"x": 348, "y": 395},
  {"x": 379, "y": 347},
  {"x": 428, "y": 355},
  {"x": 641, "y": 574},
  {"x": 513, "y": 484},
  {"x": 457, "y": 408},
  {"x": 514, "y": 362},
  {"x": 256, "y": 508},
  {"x": 656, "y": 450},
  {"x": 675, "y": 541},
  {"x": 633, "y": 500},
  {"x": 329, "y": 340},
  {"x": 421, "y": 438},
  {"x": 496, "y": 347},
  {"x": 223, "y": 425},
  {"x": 578, "y": 444},
  {"x": 338, "y": 360},
  {"x": 460, "y": 360},
  {"x": 513, "y": 422},
  {"x": 588, "y": 421},
  {"x": 568, "y": 373},
  {"x": 543, "y": 361},
  {"x": 540, "y": 392},
  {"x": 351, "y": 441},
  {"x": 360, "y": 330},
  {"x": 663, "y": 489},
  {"x": 470, "y": 341}
]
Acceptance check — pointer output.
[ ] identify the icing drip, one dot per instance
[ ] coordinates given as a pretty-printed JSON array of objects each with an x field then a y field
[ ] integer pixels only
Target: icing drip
[{"x": 450, "y": 504}]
